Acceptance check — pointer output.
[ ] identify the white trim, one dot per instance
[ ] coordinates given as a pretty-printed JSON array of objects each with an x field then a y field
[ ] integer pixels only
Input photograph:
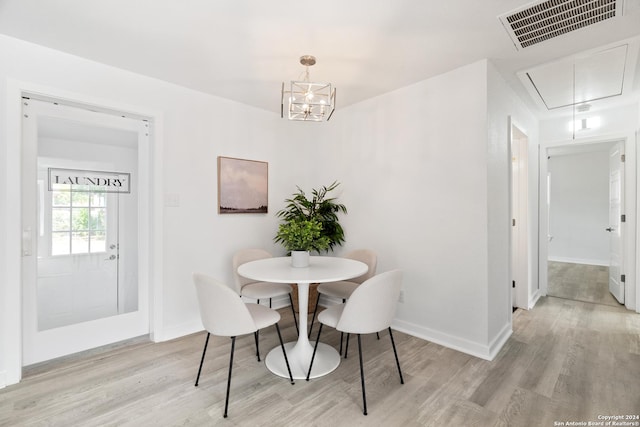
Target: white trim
[
  {"x": 521, "y": 272},
  {"x": 631, "y": 203},
  {"x": 636, "y": 242},
  {"x": 600, "y": 262},
  {"x": 151, "y": 243},
  {"x": 534, "y": 298},
  {"x": 487, "y": 352},
  {"x": 182, "y": 330},
  {"x": 483, "y": 351},
  {"x": 12, "y": 345}
]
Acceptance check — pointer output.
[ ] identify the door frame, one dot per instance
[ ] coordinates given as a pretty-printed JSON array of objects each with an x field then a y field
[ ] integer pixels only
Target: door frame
[
  {"x": 150, "y": 246},
  {"x": 631, "y": 229},
  {"x": 519, "y": 187}
]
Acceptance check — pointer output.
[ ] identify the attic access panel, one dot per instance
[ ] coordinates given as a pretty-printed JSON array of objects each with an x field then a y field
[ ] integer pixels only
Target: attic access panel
[
  {"x": 545, "y": 20},
  {"x": 580, "y": 79}
]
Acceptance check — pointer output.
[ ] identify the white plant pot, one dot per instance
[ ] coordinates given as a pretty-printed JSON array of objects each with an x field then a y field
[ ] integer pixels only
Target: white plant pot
[{"x": 300, "y": 259}]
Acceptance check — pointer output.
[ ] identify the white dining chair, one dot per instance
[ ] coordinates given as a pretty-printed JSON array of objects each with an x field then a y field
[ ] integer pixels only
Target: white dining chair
[
  {"x": 259, "y": 290},
  {"x": 370, "y": 309},
  {"x": 224, "y": 314},
  {"x": 344, "y": 288}
]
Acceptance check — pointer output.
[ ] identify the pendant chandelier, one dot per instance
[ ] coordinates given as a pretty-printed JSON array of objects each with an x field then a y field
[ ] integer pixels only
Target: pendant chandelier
[{"x": 307, "y": 100}]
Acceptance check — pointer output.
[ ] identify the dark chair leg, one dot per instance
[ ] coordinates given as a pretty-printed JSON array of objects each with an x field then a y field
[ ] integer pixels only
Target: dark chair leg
[
  {"x": 258, "y": 301},
  {"x": 255, "y": 334},
  {"x": 315, "y": 347},
  {"x": 346, "y": 347},
  {"x": 378, "y": 335},
  {"x": 270, "y": 303},
  {"x": 313, "y": 318},
  {"x": 204, "y": 351},
  {"x": 286, "y": 360},
  {"x": 342, "y": 335},
  {"x": 393, "y": 344},
  {"x": 364, "y": 396},
  {"x": 293, "y": 311},
  {"x": 226, "y": 402}
]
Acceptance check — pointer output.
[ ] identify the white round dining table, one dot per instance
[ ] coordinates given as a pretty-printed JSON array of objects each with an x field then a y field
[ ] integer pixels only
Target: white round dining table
[{"x": 321, "y": 269}]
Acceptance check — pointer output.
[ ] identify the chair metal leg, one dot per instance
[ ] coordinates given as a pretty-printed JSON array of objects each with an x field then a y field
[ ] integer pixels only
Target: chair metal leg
[
  {"x": 313, "y": 318},
  {"x": 226, "y": 402},
  {"x": 346, "y": 347},
  {"x": 293, "y": 311},
  {"x": 286, "y": 360},
  {"x": 342, "y": 335},
  {"x": 378, "y": 335},
  {"x": 258, "y": 301},
  {"x": 255, "y": 334},
  {"x": 393, "y": 344},
  {"x": 270, "y": 302},
  {"x": 315, "y": 347},
  {"x": 204, "y": 351},
  {"x": 364, "y": 396}
]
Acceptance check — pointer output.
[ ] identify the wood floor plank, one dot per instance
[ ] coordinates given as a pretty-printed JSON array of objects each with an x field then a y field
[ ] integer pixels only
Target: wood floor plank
[{"x": 566, "y": 361}]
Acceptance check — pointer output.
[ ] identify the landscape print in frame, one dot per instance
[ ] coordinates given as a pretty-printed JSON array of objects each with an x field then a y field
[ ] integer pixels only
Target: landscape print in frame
[{"x": 242, "y": 186}]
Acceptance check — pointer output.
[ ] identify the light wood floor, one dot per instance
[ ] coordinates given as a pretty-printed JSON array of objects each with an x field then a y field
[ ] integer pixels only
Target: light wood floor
[
  {"x": 566, "y": 361},
  {"x": 580, "y": 282}
]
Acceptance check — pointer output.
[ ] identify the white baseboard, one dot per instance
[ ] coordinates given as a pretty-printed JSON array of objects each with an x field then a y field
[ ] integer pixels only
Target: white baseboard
[
  {"x": 533, "y": 299},
  {"x": 499, "y": 341},
  {"x": 483, "y": 351},
  {"x": 487, "y": 352},
  {"x": 188, "y": 328},
  {"x": 177, "y": 331},
  {"x": 586, "y": 261}
]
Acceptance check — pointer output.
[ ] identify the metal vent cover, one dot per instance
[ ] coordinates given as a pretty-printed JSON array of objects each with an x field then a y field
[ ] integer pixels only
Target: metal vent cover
[{"x": 545, "y": 20}]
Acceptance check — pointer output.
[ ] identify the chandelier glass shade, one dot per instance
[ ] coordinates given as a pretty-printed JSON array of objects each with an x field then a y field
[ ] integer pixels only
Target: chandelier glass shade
[{"x": 306, "y": 100}]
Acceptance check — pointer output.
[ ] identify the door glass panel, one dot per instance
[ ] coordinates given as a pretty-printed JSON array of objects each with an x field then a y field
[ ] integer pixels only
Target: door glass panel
[{"x": 84, "y": 272}]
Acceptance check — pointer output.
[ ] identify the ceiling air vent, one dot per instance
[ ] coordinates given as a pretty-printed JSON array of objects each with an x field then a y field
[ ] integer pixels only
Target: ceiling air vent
[{"x": 548, "y": 19}]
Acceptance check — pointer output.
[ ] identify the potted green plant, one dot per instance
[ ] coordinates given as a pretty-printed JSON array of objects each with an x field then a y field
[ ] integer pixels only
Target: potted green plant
[
  {"x": 299, "y": 236},
  {"x": 321, "y": 208}
]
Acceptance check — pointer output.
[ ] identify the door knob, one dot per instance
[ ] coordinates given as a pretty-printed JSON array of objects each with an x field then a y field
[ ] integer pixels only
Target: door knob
[
  {"x": 111, "y": 258},
  {"x": 610, "y": 229}
]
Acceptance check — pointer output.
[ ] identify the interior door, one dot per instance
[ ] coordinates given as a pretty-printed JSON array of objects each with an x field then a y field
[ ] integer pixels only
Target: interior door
[
  {"x": 616, "y": 190},
  {"x": 80, "y": 221},
  {"x": 519, "y": 219}
]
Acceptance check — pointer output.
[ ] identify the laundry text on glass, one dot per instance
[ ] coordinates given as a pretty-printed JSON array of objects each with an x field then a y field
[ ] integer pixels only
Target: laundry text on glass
[{"x": 88, "y": 180}]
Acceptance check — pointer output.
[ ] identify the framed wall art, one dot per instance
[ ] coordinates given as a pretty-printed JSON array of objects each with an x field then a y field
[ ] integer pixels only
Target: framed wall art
[{"x": 242, "y": 186}]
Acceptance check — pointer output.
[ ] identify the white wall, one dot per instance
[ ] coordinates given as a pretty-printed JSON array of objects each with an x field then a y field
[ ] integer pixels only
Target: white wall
[
  {"x": 424, "y": 174},
  {"x": 503, "y": 103},
  {"x": 5, "y": 327},
  {"x": 195, "y": 129},
  {"x": 426, "y": 187},
  {"x": 617, "y": 120},
  {"x": 579, "y": 208}
]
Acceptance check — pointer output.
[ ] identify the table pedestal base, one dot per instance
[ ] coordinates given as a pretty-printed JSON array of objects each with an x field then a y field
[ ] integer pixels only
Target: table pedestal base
[{"x": 327, "y": 360}]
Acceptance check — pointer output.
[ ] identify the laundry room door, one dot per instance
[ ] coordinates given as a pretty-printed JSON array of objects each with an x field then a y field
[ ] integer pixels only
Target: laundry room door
[{"x": 80, "y": 221}]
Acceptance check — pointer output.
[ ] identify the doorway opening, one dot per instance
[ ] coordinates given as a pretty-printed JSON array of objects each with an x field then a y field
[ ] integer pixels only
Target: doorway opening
[
  {"x": 520, "y": 271},
  {"x": 83, "y": 186},
  {"x": 585, "y": 217}
]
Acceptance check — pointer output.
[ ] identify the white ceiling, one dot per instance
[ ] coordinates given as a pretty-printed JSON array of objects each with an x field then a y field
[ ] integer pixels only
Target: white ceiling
[{"x": 244, "y": 49}]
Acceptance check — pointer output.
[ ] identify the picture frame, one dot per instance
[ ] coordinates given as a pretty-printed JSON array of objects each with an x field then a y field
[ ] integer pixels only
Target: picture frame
[{"x": 243, "y": 186}]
